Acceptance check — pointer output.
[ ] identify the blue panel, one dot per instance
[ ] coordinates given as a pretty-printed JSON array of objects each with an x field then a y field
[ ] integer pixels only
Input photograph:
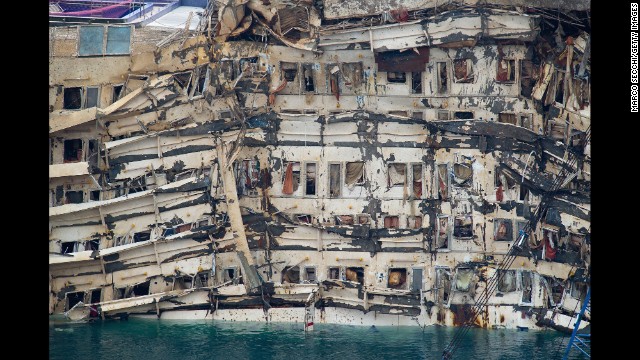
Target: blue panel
[
  {"x": 91, "y": 39},
  {"x": 118, "y": 39}
]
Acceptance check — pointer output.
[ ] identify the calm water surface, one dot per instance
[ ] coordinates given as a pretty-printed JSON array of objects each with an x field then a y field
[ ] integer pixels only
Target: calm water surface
[{"x": 202, "y": 339}]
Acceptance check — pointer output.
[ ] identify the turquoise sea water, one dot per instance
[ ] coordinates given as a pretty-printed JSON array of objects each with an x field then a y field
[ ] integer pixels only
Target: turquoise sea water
[{"x": 201, "y": 339}]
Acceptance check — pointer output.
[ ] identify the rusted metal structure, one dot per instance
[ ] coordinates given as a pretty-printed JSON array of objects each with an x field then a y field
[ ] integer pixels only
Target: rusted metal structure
[{"x": 325, "y": 161}]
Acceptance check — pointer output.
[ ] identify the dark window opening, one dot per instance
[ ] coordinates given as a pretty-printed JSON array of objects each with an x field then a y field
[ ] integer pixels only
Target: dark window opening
[
  {"x": 117, "y": 91},
  {"x": 92, "y": 245},
  {"x": 463, "y": 226},
  {"x": 227, "y": 70},
  {"x": 417, "y": 180},
  {"x": 226, "y": 114},
  {"x": 507, "y": 118},
  {"x": 310, "y": 188},
  {"x": 334, "y": 273},
  {"x": 291, "y": 275},
  {"x": 231, "y": 274},
  {"x": 503, "y": 230},
  {"x": 291, "y": 179},
  {"x": 93, "y": 153},
  {"x": 416, "y": 83},
  {"x": 463, "y": 71},
  {"x": 527, "y": 287},
  {"x": 72, "y": 150},
  {"x": 202, "y": 279},
  {"x": 560, "y": 88},
  {"x": 396, "y": 77},
  {"x": 335, "y": 185},
  {"x": 524, "y": 192},
  {"x": 140, "y": 289},
  {"x": 94, "y": 195},
  {"x": 142, "y": 236},
  {"x": 391, "y": 222},
  {"x": 307, "y": 72},
  {"x": 441, "y": 68},
  {"x": 74, "y": 197},
  {"x": 72, "y": 98},
  {"x": 443, "y": 115},
  {"x": 556, "y": 291},
  {"x": 304, "y": 218},
  {"x": 67, "y": 247},
  {"x": 310, "y": 274},
  {"x": 73, "y": 298},
  {"x": 397, "y": 278},
  {"x": 289, "y": 71},
  {"x": 95, "y": 296},
  {"x": 506, "y": 71},
  {"x": 506, "y": 280},
  {"x": 528, "y": 77},
  {"x": 396, "y": 174},
  {"x": 355, "y": 274},
  {"x": 138, "y": 184},
  {"x": 463, "y": 115},
  {"x": 578, "y": 290},
  {"x": 442, "y": 238},
  {"x": 249, "y": 65},
  {"x": 91, "y": 98},
  {"x": 576, "y": 241}
]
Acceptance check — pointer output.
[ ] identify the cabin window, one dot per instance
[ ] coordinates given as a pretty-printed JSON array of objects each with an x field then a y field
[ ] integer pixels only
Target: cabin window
[
  {"x": 507, "y": 118},
  {"x": 307, "y": 73},
  {"x": 414, "y": 222},
  {"x": 352, "y": 73},
  {"x": 142, "y": 236},
  {"x": 396, "y": 77},
  {"x": 140, "y": 289},
  {"x": 443, "y": 115},
  {"x": 397, "y": 278},
  {"x": 91, "y": 40},
  {"x": 289, "y": 71},
  {"x": 443, "y": 284},
  {"x": 344, "y": 219},
  {"x": 506, "y": 71},
  {"x": 310, "y": 274},
  {"x": 417, "y": 180},
  {"x": 304, "y": 218},
  {"x": 463, "y": 115},
  {"x": 417, "y": 115},
  {"x": 291, "y": 275},
  {"x": 225, "y": 114},
  {"x": 72, "y": 150},
  {"x": 91, "y": 97},
  {"x": 202, "y": 279},
  {"x": 311, "y": 177},
  {"x": 503, "y": 230},
  {"x": 442, "y": 78},
  {"x": 355, "y": 274},
  {"x": 506, "y": 280},
  {"x": 334, "y": 180},
  {"x": 576, "y": 241},
  {"x": 391, "y": 222},
  {"x": 528, "y": 77},
  {"x": 462, "y": 174},
  {"x": 72, "y": 98},
  {"x": 443, "y": 181},
  {"x": 247, "y": 174},
  {"x": 117, "y": 91},
  {"x": 527, "y": 287},
  {"x": 74, "y": 197},
  {"x": 291, "y": 177},
  {"x": 334, "y": 273},
  {"x": 67, "y": 247},
  {"x": 94, "y": 296},
  {"x": 464, "y": 276},
  {"x": 73, "y": 298},
  {"x": 526, "y": 121},
  {"x": 578, "y": 290},
  {"x": 363, "y": 219},
  {"x": 524, "y": 192},
  {"x": 443, "y": 232},
  {"x": 232, "y": 274},
  {"x": 354, "y": 173},
  {"x": 248, "y": 65},
  {"x": 463, "y": 226},
  {"x": 92, "y": 245},
  {"x": 463, "y": 71},
  {"x": 396, "y": 174},
  {"x": 416, "y": 83},
  {"x": 227, "y": 69}
]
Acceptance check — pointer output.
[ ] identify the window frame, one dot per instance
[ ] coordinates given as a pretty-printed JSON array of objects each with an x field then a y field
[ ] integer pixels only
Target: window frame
[{"x": 105, "y": 40}]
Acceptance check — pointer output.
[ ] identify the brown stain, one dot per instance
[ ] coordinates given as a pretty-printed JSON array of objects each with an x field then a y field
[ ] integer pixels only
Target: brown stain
[{"x": 502, "y": 318}]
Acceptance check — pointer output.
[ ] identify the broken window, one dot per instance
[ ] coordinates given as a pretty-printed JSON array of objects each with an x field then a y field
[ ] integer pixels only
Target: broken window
[
  {"x": 72, "y": 299},
  {"x": 291, "y": 178},
  {"x": 247, "y": 174},
  {"x": 94, "y": 296},
  {"x": 352, "y": 74},
  {"x": 72, "y": 150},
  {"x": 355, "y": 274},
  {"x": 526, "y": 121},
  {"x": 414, "y": 222},
  {"x": 92, "y": 245},
  {"x": 344, "y": 219},
  {"x": 289, "y": 71},
  {"x": 140, "y": 289},
  {"x": 503, "y": 230},
  {"x": 417, "y": 180},
  {"x": 396, "y": 77},
  {"x": 463, "y": 115},
  {"x": 528, "y": 77},
  {"x": 311, "y": 175},
  {"x": 443, "y": 181},
  {"x": 527, "y": 287},
  {"x": 462, "y": 174},
  {"x": 304, "y": 218},
  {"x": 117, "y": 91},
  {"x": 391, "y": 222},
  {"x": 91, "y": 97},
  {"x": 396, "y": 174},
  {"x": 442, "y": 78},
  {"x": 443, "y": 232},
  {"x": 334, "y": 180},
  {"x": 524, "y": 192},
  {"x": 363, "y": 219},
  {"x": 443, "y": 284},
  {"x": 464, "y": 276},
  {"x": 443, "y": 115},
  {"x": 291, "y": 275},
  {"x": 506, "y": 71},
  {"x": 507, "y": 118},
  {"x": 576, "y": 241},
  {"x": 309, "y": 274},
  {"x": 67, "y": 247},
  {"x": 506, "y": 280},
  {"x": 142, "y": 236},
  {"x": 227, "y": 69},
  {"x": 202, "y": 279},
  {"x": 354, "y": 174},
  {"x": 397, "y": 278},
  {"x": 74, "y": 197},
  {"x": 416, "y": 83},
  {"x": 231, "y": 274},
  {"x": 248, "y": 65},
  {"x": 463, "y": 71},
  {"x": 307, "y": 73},
  {"x": 578, "y": 290},
  {"x": 334, "y": 273},
  {"x": 463, "y": 226},
  {"x": 72, "y": 98}
]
